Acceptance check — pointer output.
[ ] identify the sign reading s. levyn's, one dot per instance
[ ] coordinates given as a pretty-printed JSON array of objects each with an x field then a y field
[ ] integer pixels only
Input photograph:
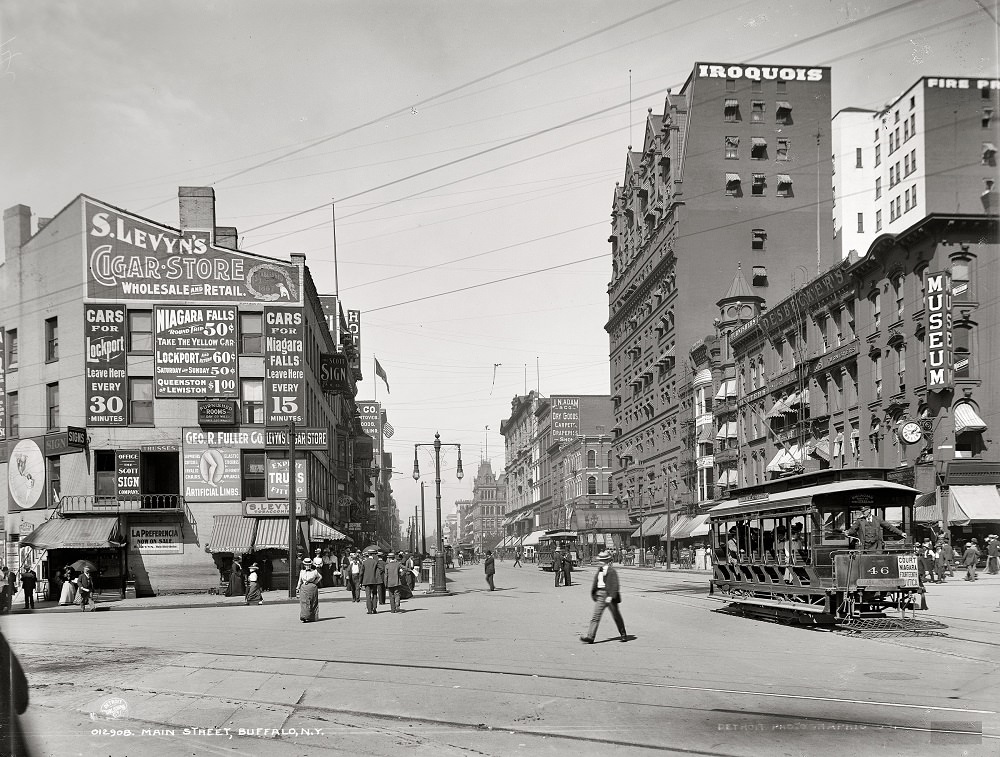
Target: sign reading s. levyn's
[
  {"x": 105, "y": 364},
  {"x": 195, "y": 351},
  {"x": 132, "y": 258}
]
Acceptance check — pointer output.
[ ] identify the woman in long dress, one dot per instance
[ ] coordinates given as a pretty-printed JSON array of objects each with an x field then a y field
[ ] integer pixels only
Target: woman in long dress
[
  {"x": 68, "y": 594},
  {"x": 253, "y": 586},
  {"x": 308, "y": 589},
  {"x": 236, "y": 586}
]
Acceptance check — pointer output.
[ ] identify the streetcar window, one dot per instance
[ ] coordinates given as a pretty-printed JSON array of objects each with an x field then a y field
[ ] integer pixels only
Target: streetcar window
[
  {"x": 835, "y": 524},
  {"x": 773, "y": 539},
  {"x": 798, "y": 540}
]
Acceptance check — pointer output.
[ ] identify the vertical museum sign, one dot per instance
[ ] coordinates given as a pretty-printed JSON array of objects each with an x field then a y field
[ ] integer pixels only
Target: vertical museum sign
[{"x": 937, "y": 334}]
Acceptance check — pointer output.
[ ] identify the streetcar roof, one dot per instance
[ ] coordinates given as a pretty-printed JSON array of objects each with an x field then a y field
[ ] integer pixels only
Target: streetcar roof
[
  {"x": 559, "y": 534},
  {"x": 803, "y": 496}
]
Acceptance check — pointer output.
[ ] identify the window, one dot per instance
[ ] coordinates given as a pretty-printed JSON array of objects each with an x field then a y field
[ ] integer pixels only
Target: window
[
  {"x": 251, "y": 333},
  {"x": 757, "y": 239},
  {"x": 987, "y": 117},
  {"x": 878, "y": 220},
  {"x": 857, "y": 158},
  {"x": 901, "y": 367},
  {"x": 906, "y": 165},
  {"x": 252, "y": 401},
  {"x": 878, "y": 155},
  {"x": 609, "y": 459},
  {"x": 758, "y": 148},
  {"x": 962, "y": 345},
  {"x": 591, "y": 485},
  {"x": 876, "y": 306},
  {"x": 877, "y": 375},
  {"x": 784, "y": 185},
  {"x": 878, "y": 187},
  {"x": 757, "y": 111},
  {"x": 906, "y": 129},
  {"x": 913, "y": 102},
  {"x": 959, "y": 277},
  {"x": 861, "y": 223},
  {"x": 13, "y": 416},
  {"x": 52, "y": 406},
  {"x": 913, "y": 195},
  {"x": 140, "y": 330},
  {"x": 900, "y": 286},
  {"x": 12, "y": 349},
  {"x": 896, "y": 117},
  {"x": 989, "y": 154},
  {"x": 759, "y": 182},
  {"x": 51, "y": 340},
  {"x": 253, "y": 475},
  {"x": 913, "y": 125},
  {"x": 907, "y": 197},
  {"x": 783, "y": 113},
  {"x": 781, "y": 149},
  {"x": 756, "y": 85},
  {"x": 733, "y": 184},
  {"x": 730, "y": 85},
  {"x": 140, "y": 401},
  {"x": 892, "y": 144},
  {"x": 732, "y": 110},
  {"x": 591, "y": 459},
  {"x": 732, "y": 148},
  {"x": 759, "y": 276},
  {"x": 104, "y": 473},
  {"x": 913, "y": 159},
  {"x": 706, "y": 482},
  {"x": 54, "y": 473}
]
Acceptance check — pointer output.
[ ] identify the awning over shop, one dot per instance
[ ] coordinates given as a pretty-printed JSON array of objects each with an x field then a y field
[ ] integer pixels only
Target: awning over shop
[
  {"x": 776, "y": 410},
  {"x": 272, "y": 533},
  {"x": 687, "y": 529},
  {"x": 967, "y": 419},
  {"x": 927, "y": 509},
  {"x": 649, "y": 525},
  {"x": 320, "y": 531},
  {"x": 678, "y": 526},
  {"x": 75, "y": 533},
  {"x": 980, "y": 503},
  {"x": 822, "y": 448},
  {"x": 601, "y": 520},
  {"x": 232, "y": 533},
  {"x": 531, "y": 540},
  {"x": 727, "y": 431}
]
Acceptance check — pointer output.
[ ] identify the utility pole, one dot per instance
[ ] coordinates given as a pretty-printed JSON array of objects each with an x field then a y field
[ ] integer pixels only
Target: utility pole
[
  {"x": 423, "y": 523},
  {"x": 292, "y": 522}
]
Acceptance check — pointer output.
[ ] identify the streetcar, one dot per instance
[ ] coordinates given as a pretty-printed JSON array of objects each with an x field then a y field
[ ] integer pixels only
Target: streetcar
[
  {"x": 565, "y": 541},
  {"x": 782, "y": 550}
]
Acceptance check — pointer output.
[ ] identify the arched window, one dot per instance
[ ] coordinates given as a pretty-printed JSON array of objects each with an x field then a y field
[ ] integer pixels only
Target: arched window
[
  {"x": 609, "y": 458},
  {"x": 591, "y": 459},
  {"x": 591, "y": 484}
]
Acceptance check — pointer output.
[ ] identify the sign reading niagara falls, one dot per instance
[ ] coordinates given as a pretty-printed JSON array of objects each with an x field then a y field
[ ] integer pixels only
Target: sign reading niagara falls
[
  {"x": 130, "y": 258},
  {"x": 195, "y": 351}
]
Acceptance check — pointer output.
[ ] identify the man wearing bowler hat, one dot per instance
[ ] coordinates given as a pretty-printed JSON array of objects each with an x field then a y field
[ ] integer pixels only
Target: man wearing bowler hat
[
  {"x": 868, "y": 530},
  {"x": 605, "y": 593}
]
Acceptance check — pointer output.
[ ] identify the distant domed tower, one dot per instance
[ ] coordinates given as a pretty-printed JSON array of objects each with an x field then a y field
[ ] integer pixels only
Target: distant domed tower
[{"x": 739, "y": 305}]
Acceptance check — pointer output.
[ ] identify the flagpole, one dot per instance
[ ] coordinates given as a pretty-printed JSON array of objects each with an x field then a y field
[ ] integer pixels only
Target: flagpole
[
  {"x": 374, "y": 377},
  {"x": 336, "y": 273}
]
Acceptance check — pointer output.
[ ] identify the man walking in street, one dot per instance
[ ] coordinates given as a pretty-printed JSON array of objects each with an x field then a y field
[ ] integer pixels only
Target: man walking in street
[
  {"x": 85, "y": 587},
  {"x": 969, "y": 559},
  {"x": 557, "y": 566},
  {"x": 372, "y": 576},
  {"x": 393, "y": 581},
  {"x": 606, "y": 595},
  {"x": 490, "y": 566},
  {"x": 567, "y": 568},
  {"x": 517, "y": 558},
  {"x": 28, "y": 583},
  {"x": 993, "y": 555},
  {"x": 353, "y": 576}
]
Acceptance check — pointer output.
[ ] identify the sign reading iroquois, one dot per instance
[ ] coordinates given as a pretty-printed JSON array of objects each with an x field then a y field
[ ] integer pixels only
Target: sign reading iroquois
[
  {"x": 131, "y": 258},
  {"x": 565, "y": 418},
  {"x": 284, "y": 366},
  {"x": 195, "y": 351},
  {"x": 354, "y": 326},
  {"x": 105, "y": 365}
]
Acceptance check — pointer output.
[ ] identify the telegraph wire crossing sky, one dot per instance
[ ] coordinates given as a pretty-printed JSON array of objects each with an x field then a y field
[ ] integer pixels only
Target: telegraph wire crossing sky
[{"x": 474, "y": 152}]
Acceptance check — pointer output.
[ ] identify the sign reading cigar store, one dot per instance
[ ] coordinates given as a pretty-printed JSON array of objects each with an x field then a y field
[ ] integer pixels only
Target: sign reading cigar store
[
  {"x": 305, "y": 438},
  {"x": 284, "y": 366},
  {"x": 132, "y": 258},
  {"x": 105, "y": 367},
  {"x": 937, "y": 334},
  {"x": 195, "y": 351}
]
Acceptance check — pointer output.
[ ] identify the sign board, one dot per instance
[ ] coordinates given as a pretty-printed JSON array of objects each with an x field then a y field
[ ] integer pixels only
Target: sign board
[
  {"x": 26, "y": 476},
  {"x": 156, "y": 539},
  {"x": 332, "y": 316},
  {"x": 3, "y": 384},
  {"x": 217, "y": 413},
  {"x": 565, "y": 418},
  {"x": 262, "y": 509},
  {"x": 127, "y": 473},
  {"x": 909, "y": 573},
  {"x": 937, "y": 334},
  {"x": 105, "y": 368},
  {"x": 284, "y": 366},
  {"x": 354, "y": 326},
  {"x": 277, "y": 479},
  {"x": 333, "y": 371},
  {"x": 305, "y": 438},
  {"x": 211, "y": 463},
  {"x": 370, "y": 416},
  {"x": 353, "y": 526},
  {"x": 194, "y": 351},
  {"x": 76, "y": 437},
  {"x": 131, "y": 258},
  {"x": 57, "y": 444}
]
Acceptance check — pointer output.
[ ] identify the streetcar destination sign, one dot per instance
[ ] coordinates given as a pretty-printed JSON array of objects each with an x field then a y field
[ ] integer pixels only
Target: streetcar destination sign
[{"x": 195, "y": 351}]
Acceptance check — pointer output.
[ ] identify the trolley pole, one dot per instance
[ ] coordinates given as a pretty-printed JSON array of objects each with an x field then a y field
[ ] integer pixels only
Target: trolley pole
[{"x": 292, "y": 524}]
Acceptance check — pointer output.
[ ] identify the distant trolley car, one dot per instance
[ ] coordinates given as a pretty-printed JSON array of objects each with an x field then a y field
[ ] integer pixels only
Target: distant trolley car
[
  {"x": 787, "y": 554},
  {"x": 566, "y": 541}
]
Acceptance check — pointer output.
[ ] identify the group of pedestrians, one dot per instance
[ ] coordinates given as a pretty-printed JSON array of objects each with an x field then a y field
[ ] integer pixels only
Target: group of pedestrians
[
  {"x": 9, "y": 581},
  {"x": 562, "y": 566}
]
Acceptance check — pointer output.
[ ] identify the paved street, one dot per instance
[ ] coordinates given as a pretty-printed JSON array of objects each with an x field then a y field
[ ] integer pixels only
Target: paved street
[{"x": 504, "y": 673}]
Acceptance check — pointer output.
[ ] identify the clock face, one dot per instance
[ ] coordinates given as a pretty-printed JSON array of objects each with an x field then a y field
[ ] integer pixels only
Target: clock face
[{"x": 910, "y": 432}]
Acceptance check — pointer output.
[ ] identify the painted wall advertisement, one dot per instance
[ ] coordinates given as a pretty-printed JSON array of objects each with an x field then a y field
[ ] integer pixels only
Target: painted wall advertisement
[
  {"x": 284, "y": 366},
  {"x": 277, "y": 479},
  {"x": 127, "y": 484},
  {"x": 369, "y": 413},
  {"x": 3, "y": 386},
  {"x": 105, "y": 366},
  {"x": 195, "y": 351},
  {"x": 132, "y": 258},
  {"x": 156, "y": 539},
  {"x": 565, "y": 418},
  {"x": 26, "y": 476}
]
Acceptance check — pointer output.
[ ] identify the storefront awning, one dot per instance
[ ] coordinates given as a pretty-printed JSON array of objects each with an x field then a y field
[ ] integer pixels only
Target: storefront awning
[
  {"x": 232, "y": 533},
  {"x": 76, "y": 533},
  {"x": 600, "y": 520},
  {"x": 967, "y": 419},
  {"x": 980, "y": 503},
  {"x": 272, "y": 533},
  {"x": 775, "y": 464},
  {"x": 531, "y": 540},
  {"x": 320, "y": 531},
  {"x": 687, "y": 529}
]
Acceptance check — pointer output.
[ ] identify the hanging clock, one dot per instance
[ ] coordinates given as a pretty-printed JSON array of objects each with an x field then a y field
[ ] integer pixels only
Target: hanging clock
[{"x": 910, "y": 432}]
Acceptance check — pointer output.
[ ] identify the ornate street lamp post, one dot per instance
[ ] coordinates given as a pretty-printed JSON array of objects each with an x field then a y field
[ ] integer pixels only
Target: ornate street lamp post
[{"x": 439, "y": 586}]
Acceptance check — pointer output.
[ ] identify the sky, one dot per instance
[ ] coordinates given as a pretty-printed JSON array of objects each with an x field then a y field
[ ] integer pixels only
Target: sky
[{"x": 470, "y": 150}]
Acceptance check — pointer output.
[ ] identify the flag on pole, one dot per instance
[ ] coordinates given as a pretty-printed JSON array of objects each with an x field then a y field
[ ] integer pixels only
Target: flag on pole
[
  {"x": 380, "y": 372},
  {"x": 387, "y": 430}
]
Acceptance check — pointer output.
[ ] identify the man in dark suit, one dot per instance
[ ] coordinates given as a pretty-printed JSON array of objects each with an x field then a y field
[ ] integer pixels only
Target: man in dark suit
[
  {"x": 557, "y": 565},
  {"x": 868, "y": 530},
  {"x": 490, "y": 568},
  {"x": 605, "y": 593},
  {"x": 28, "y": 583},
  {"x": 372, "y": 576},
  {"x": 567, "y": 567}
]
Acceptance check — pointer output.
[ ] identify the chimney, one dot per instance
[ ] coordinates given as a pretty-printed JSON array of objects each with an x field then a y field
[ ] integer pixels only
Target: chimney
[
  {"x": 16, "y": 229},
  {"x": 299, "y": 258},
  {"x": 226, "y": 236},
  {"x": 197, "y": 208}
]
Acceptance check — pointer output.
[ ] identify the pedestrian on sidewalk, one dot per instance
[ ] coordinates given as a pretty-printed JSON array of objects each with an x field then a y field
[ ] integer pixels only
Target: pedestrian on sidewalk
[
  {"x": 568, "y": 568},
  {"x": 940, "y": 562},
  {"x": 557, "y": 566},
  {"x": 28, "y": 583},
  {"x": 661, "y": 555},
  {"x": 393, "y": 581},
  {"x": 5, "y": 595},
  {"x": 949, "y": 556},
  {"x": 253, "y": 586},
  {"x": 969, "y": 559},
  {"x": 310, "y": 579},
  {"x": 606, "y": 595},
  {"x": 372, "y": 576},
  {"x": 993, "y": 554},
  {"x": 353, "y": 575},
  {"x": 236, "y": 587},
  {"x": 517, "y": 558},
  {"x": 490, "y": 567},
  {"x": 67, "y": 596},
  {"x": 85, "y": 586}
]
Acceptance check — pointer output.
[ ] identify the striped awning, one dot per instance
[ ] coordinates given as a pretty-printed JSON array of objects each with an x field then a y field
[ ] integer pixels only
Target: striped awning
[
  {"x": 320, "y": 531},
  {"x": 776, "y": 410},
  {"x": 731, "y": 103},
  {"x": 967, "y": 419},
  {"x": 784, "y": 178},
  {"x": 732, "y": 178},
  {"x": 232, "y": 533},
  {"x": 783, "y": 105},
  {"x": 272, "y": 533},
  {"x": 75, "y": 533}
]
